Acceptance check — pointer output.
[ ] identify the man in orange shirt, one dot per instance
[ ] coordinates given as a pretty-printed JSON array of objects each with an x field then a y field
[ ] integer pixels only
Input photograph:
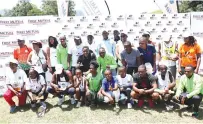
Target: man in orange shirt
[
  {"x": 21, "y": 54},
  {"x": 189, "y": 54}
]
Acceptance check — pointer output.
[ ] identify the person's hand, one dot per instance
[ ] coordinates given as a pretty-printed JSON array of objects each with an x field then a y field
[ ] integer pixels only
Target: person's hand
[
  {"x": 196, "y": 71},
  {"x": 110, "y": 88},
  {"x": 141, "y": 91},
  {"x": 121, "y": 89},
  {"x": 50, "y": 69},
  {"x": 111, "y": 100},
  {"x": 166, "y": 90},
  {"x": 180, "y": 71},
  {"x": 99, "y": 94},
  {"x": 183, "y": 100},
  {"x": 16, "y": 92},
  {"x": 41, "y": 93}
]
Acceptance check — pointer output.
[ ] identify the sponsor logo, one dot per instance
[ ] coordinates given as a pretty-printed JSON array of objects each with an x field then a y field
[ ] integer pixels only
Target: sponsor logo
[
  {"x": 27, "y": 32},
  {"x": 153, "y": 31},
  {"x": 5, "y": 54},
  {"x": 153, "y": 16},
  {"x": 97, "y": 33},
  {"x": 96, "y": 18},
  {"x": 136, "y": 24},
  {"x": 198, "y": 17},
  {"x": 2, "y": 78},
  {"x": 159, "y": 23},
  {"x": 9, "y": 43},
  {"x": 141, "y": 31},
  {"x": 120, "y": 18},
  {"x": 38, "y": 21},
  {"x": 148, "y": 24},
  {"x": 11, "y": 22},
  {"x": 169, "y": 23},
  {"x": 108, "y": 18},
  {"x": 83, "y": 19},
  {"x": 142, "y": 17},
  {"x": 115, "y": 25},
  {"x": 102, "y": 25},
  {"x": 131, "y": 31},
  {"x": 164, "y": 16},
  {"x": 198, "y": 34},
  {"x": 175, "y": 16},
  {"x": 185, "y": 29},
  {"x": 164, "y": 30},
  {"x": 70, "y": 20},
  {"x": 84, "y": 33},
  {"x": 185, "y": 16},
  {"x": 78, "y": 26},
  {"x": 6, "y": 33},
  {"x": 90, "y": 26},
  {"x": 130, "y": 17},
  {"x": 175, "y": 30},
  {"x": 159, "y": 37},
  {"x": 180, "y": 23}
]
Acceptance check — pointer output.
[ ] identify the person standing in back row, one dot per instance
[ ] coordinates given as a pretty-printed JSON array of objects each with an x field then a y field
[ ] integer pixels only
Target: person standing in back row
[
  {"x": 130, "y": 58},
  {"x": 21, "y": 54}
]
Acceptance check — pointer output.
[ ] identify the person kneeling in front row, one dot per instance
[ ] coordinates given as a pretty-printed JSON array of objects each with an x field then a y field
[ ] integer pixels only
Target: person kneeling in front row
[
  {"x": 61, "y": 84},
  {"x": 110, "y": 89},
  {"x": 166, "y": 83},
  {"x": 190, "y": 90},
  {"x": 144, "y": 86}
]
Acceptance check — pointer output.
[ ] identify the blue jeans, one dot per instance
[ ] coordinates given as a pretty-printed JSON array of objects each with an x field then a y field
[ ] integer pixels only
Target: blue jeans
[{"x": 70, "y": 91}]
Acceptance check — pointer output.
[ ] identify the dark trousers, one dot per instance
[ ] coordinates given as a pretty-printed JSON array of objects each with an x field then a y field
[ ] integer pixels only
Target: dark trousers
[
  {"x": 127, "y": 91},
  {"x": 45, "y": 94},
  {"x": 70, "y": 91},
  {"x": 73, "y": 70},
  {"x": 130, "y": 70},
  {"x": 194, "y": 100}
]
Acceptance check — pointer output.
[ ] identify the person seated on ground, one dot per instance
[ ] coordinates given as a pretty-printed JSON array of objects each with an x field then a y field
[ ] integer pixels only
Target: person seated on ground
[
  {"x": 125, "y": 82},
  {"x": 190, "y": 90},
  {"x": 144, "y": 86},
  {"x": 106, "y": 61},
  {"x": 85, "y": 59},
  {"x": 166, "y": 83},
  {"x": 61, "y": 84},
  {"x": 93, "y": 85},
  {"x": 80, "y": 87},
  {"x": 36, "y": 87},
  {"x": 110, "y": 89},
  {"x": 15, "y": 81}
]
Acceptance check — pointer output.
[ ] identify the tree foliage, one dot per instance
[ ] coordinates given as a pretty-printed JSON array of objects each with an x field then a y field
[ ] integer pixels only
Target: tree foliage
[
  {"x": 49, "y": 7},
  {"x": 191, "y": 6}
]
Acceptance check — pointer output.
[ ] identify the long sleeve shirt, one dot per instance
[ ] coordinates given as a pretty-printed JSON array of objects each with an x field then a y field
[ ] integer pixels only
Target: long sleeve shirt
[
  {"x": 107, "y": 60},
  {"x": 192, "y": 85}
]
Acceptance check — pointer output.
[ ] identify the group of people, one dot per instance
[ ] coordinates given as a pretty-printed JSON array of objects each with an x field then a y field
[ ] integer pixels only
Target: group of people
[{"x": 113, "y": 70}]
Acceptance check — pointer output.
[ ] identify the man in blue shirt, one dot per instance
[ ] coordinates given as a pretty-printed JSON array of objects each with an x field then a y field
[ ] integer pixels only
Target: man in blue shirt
[
  {"x": 109, "y": 89},
  {"x": 147, "y": 53}
]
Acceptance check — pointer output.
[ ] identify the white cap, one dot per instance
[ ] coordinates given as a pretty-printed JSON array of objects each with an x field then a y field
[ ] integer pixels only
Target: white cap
[
  {"x": 12, "y": 60},
  {"x": 147, "y": 32},
  {"x": 20, "y": 38},
  {"x": 59, "y": 68},
  {"x": 162, "y": 63}
]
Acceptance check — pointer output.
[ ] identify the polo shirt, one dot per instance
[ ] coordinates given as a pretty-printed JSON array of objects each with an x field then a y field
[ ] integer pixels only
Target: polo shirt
[
  {"x": 148, "y": 54},
  {"x": 106, "y": 84},
  {"x": 94, "y": 82},
  {"x": 192, "y": 85}
]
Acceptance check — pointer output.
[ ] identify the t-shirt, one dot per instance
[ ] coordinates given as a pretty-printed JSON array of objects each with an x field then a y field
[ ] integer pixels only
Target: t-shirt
[
  {"x": 62, "y": 56},
  {"x": 130, "y": 58},
  {"x": 16, "y": 79},
  {"x": 85, "y": 61},
  {"x": 188, "y": 54},
  {"x": 21, "y": 54},
  {"x": 162, "y": 84},
  {"x": 35, "y": 85},
  {"x": 143, "y": 83},
  {"x": 94, "y": 82},
  {"x": 107, "y": 84},
  {"x": 126, "y": 81},
  {"x": 109, "y": 45},
  {"x": 75, "y": 51},
  {"x": 148, "y": 55}
]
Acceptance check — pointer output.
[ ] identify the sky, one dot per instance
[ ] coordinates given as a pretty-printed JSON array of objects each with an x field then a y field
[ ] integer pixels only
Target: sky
[{"x": 116, "y": 6}]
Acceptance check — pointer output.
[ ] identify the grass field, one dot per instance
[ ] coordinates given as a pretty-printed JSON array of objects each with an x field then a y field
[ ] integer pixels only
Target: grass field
[{"x": 103, "y": 114}]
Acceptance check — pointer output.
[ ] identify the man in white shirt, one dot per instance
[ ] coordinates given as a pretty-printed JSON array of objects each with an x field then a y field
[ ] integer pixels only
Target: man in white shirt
[
  {"x": 125, "y": 82},
  {"x": 15, "y": 80},
  {"x": 92, "y": 45},
  {"x": 74, "y": 52}
]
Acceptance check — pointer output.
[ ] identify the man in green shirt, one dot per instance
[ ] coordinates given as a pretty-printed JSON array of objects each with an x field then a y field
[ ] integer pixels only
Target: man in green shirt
[
  {"x": 62, "y": 52},
  {"x": 93, "y": 84},
  {"x": 190, "y": 90},
  {"x": 106, "y": 61}
]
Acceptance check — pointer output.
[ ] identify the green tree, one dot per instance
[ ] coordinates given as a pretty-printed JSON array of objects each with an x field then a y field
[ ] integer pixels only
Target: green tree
[
  {"x": 191, "y": 6},
  {"x": 35, "y": 11},
  {"x": 71, "y": 10}
]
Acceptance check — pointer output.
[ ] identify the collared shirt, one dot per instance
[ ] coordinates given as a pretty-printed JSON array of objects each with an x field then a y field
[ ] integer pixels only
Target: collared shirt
[
  {"x": 94, "y": 82},
  {"x": 35, "y": 85},
  {"x": 62, "y": 56},
  {"x": 192, "y": 85},
  {"x": 107, "y": 60},
  {"x": 148, "y": 54},
  {"x": 109, "y": 46},
  {"x": 107, "y": 84}
]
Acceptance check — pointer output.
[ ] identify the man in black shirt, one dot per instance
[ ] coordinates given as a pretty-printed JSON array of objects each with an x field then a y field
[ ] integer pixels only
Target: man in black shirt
[
  {"x": 144, "y": 86},
  {"x": 85, "y": 59}
]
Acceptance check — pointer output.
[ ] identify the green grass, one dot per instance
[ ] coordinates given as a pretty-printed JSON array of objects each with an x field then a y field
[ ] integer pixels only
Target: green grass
[{"x": 103, "y": 114}]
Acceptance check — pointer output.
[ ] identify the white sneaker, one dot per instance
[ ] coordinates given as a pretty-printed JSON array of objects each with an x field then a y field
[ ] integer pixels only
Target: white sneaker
[
  {"x": 60, "y": 102},
  {"x": 129, "y": 105},
  {"x": 33, "y": 105},
  {"x": 78, "y": 105},
  {"x": 72, "y": 101},
  {"x": 117, "y": 106}
]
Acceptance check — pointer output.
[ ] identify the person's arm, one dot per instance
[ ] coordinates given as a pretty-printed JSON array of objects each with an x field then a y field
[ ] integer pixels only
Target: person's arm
[
  {"x": 15, "y": 54},
  {"x": 75, "y": 82},
  {"x": 154, "y": 59},
  {"x": 138, "y": 60},
  {"x": 173, "y": 83},
  {"x": 179, "y": 60},
  {"x": 180, "y": 87},
  {"x": 113, "y": 49},
  {"x": 48, "y": 57},
  {"x": 70, "y": 79},
  {"x": 159, "y": 52},
  {"x": 43, "y": 83},
  {"x": 135, "y": 87},
  {"x": 154, "y": 86},
  {"x": 113, "y": 63},
  {"x": 117, "y": 52},
  {"x": 115, "y": 85},
  {"x": 197, "y": 88},
  {"x": 45, "y": 55},
  {"x": 123, "y": 59},
  {"x": 58, "y": 55},
  {"x": 29, "y": 62},
  {"x": 69, "y": 60},
  {"x": 198, "y": 62},
  {"x": 53, "y": 82}
]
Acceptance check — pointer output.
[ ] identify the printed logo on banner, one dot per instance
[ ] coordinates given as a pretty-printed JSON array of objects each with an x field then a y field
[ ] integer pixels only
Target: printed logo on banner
[
  {"x": 108, "y": 18},
  {"x": 153, "y": 31},
  {"x": 39, "y": 21},
  {"x": 185, "y": 29},
  {"x": 148, "y": 24},
  {"x": 159, "y": 37},
  {"x": 2, "y": 78},
  {"x": 27, "y": 32},
  {"x": 153, "y": 17},
  {"x": 71, "y": 20},
  {"x": 120, "y": 18},
  {"x": 58, "y": 20},
  {"x": 9, "y": 43},
  {"x": 130, "y": 17},
  {"x": 102, "y": 25},
  {"x": 71, "y": 34},
  {"x": 6, "y": 33},
  {"x": 180, "y": 23},
  {"x": 115, "y": 25},
  {"x": 159, "y": 23},
  {"x": 78, "y": 26},
  {"x": 97, "y": 33},
  {"x": 66, "y": 27},
  {"x": 90, "y": 26},
  {"x": 198, "y": 34},
  {"x": 84, "y": 19},
  {"x": 11, "y": 22},
  {"x": 84, "y": 33},
  {"x": 136, "y": 24},
  {"x": 164, "y": 30},
  {"x": 136, "y": 38},
  {"x": 5, "y": 54},
  {"x": 175, "y": 16},
  {"x": 141, "y": 31},
  {"x": 198, "y": 17},
  {"x": 186, "y": 16},
  {"x": 96, "y": 19},
  {"x": 142, "y": 17},
  {"x": 175, "y": 30},
  {"x": 131, "y": 31},
  {"x": 43, "y": 41},
  {"x": 164, "y": 16}
]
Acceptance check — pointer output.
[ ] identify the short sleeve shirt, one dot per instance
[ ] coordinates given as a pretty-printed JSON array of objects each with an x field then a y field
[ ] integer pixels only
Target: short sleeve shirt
[
  {"x": 35, "y": 85},
  {"x": 94, "y": 82},
  {"x": 75, "y": 51},
  {"x": 107, "y": 84},
  {"x": 144, "y": 83},
  {"x": 130, "y": 58},
  {"x": 148, "y": 54},
  {"x": 189, "y": 54}
]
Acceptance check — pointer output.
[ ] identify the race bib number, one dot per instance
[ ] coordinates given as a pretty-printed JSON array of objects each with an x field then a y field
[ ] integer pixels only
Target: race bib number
[{"x": 63, "y": 85}]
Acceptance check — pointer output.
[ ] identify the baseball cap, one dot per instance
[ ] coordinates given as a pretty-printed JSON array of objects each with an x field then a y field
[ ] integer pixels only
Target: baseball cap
[
  {"x": 59, "y": 68},
  {"x": 38, "y": 43},
  {"x": 12, "y": 60},
  {"x": 19, "y": 38}
]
